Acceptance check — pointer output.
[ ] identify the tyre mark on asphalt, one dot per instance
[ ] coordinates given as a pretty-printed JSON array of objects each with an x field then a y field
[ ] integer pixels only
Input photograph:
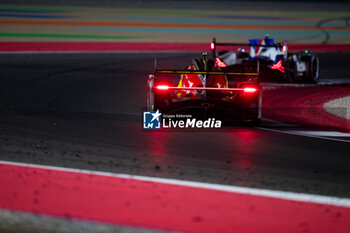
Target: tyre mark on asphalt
[{"x": 321, "y": 23}]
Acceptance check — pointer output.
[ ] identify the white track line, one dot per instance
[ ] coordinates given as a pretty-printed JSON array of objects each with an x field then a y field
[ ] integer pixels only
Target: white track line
[
  {"x": 303, "y": 133},
  {"x": 302, "y": 197},
  {"x": 321, "y": 133}
]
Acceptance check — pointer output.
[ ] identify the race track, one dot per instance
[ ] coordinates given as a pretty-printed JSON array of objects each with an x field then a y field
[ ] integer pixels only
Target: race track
[
  {"x": 84, "y": 111},
  {"x": 74, "y": 156}
]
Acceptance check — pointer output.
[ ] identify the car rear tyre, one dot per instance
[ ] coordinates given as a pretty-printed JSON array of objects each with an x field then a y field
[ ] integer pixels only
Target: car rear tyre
[{"x": 313, "y": 72}]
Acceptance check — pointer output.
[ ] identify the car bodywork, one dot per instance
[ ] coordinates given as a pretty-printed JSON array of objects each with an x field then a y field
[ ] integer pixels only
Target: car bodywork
[
  {"x": 274, "y": 61},
  {"x": 206, "y": 89}
]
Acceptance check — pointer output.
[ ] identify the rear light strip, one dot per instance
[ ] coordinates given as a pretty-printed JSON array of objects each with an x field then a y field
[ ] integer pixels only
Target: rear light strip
[{"x": 245, "y": 89}]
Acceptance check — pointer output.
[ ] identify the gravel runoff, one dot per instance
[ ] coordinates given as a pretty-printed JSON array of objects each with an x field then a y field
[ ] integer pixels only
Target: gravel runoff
[
  {"x": 19, "y": 222},
  {"x": 339, "y": 107}
]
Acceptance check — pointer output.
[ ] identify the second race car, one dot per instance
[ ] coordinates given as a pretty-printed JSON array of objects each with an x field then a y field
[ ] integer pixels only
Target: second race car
[{"x": 273, "y": 60}]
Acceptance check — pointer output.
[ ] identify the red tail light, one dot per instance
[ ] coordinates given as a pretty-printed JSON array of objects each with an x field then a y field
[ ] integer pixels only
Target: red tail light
[
  {"x": 220, "y": 63},
  {"x": 278, "y": 66},
  {"x": 212, "y": 46},
  {"x": 250, "y": 90},
  {"x": 162, "y": 87},
  {"x": 284, "y": 48}
]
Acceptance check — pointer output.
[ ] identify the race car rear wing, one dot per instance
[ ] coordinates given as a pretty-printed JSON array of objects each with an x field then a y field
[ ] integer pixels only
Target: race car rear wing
[
  {"x": 202, "y": 75},
  {"x": 214, "y": 44},
  {"x": 203, "y": 72}
]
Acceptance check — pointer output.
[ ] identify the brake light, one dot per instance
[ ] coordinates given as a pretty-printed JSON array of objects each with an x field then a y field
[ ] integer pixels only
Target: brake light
[
  {"x": 249, "y": 90},
  {"x": 163, "y": 87},
  {"x": 212, "y": 46},
  {"x": 220, "y": 63},
  {"x": 284, "y": 48}
]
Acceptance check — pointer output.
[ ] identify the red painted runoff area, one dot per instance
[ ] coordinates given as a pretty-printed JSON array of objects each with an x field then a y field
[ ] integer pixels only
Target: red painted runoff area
[
  {"x": 139, "y": 46},
  {"x": 124, "y": 201},
  {"x": 304, "y": 106}
]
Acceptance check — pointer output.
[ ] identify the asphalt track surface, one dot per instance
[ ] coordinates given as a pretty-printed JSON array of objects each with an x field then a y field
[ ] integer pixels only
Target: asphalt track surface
[{"x": 84, "y": 111}]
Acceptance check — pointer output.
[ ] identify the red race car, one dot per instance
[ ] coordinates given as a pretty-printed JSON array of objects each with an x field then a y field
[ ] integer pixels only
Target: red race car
[{"x": 208, "y": 89}]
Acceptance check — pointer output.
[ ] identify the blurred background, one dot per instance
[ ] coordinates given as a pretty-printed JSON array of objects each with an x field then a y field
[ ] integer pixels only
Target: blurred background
[
  {"x": 73, "y": 84},
  {"x": 315, "y": 22}
]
